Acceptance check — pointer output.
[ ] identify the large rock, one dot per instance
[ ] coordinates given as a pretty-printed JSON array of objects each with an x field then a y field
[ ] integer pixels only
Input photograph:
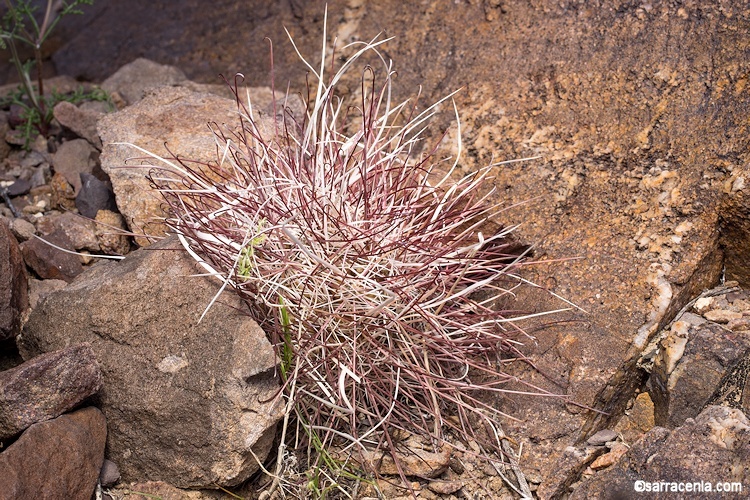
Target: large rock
[
  {"x": 169, "y": 117},
  {"x": 45, "y": 387},
  {"x": 186, "y": 400},
  {"x": 56, "y": 460},
  {"x": 710, "y": 449},
  {"x": 14, "y": 298},
  {"x": 133, "y": 80}
]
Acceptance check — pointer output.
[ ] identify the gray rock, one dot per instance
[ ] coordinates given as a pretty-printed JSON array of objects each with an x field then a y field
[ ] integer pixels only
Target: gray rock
[
  {"x": 19, "y": 188},
  {"x": 45, "y": 387},
  {"x": 713, "y": 447},
  {"x": 194, "y": 426},
  {"x": 109, "y": 474},
  {"x": 133, "y": 80},
  {"x": 602, "y": 437},
  {"x": 49, "y": 262},
  {"x": 13, "y": 284},
  {"x": 94, "y": 195},
  {"x": 74, "y": 158},
  {"x": 57, "y": 459},
  {"x": 80, "y": 121}
]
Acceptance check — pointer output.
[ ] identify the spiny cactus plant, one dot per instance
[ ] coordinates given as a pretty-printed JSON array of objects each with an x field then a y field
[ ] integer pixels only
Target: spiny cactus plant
[{"x": 363, "y": 257}]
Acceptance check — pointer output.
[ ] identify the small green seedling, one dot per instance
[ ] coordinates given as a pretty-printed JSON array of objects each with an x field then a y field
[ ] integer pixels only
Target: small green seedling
[{"x": 20, "y": 26}]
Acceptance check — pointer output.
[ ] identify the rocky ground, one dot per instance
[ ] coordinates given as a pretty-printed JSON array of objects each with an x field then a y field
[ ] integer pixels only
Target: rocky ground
[{"x": 638, "y": 114}]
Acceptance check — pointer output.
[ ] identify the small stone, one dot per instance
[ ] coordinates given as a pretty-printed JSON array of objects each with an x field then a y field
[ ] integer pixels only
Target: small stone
[
  {"x": 606, "y": 460},
  {"x": 94, "y": 195},
  {"x": 721, "y": 315},
  {"x": 112, "y": 241},
  {"x": 457, "y": 466},
  {"x": 602, "y": 437},
  {"x": 63, "y": 194},
  {"x": 50, "y": 262},
  {"x": 39, "y": 207},
  {"x": 22, "y": 229},
  {"x": 703, "y": 304},
  {"x": 80, "y": 121},
  {"x": 110, "y": 474},
  {"x": 39, "y": 176},
  {"x": 46, "y": 386},
  {"x": 32, "y": 159},
  {"x": 80, "y": 231},
  {"x": 445, "y": 487},
  {"x": 73, "y": 158},
  {"x": 15, "y": 137},
  {"x": 19, "y": 188}
]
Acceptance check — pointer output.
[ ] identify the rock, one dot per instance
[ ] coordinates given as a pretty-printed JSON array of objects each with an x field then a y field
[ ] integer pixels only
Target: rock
[
  {"x": 39, "y": 289},
  {"x": 32, "y": 159},
  {"x": 133, "y": 80},
  {"x": 56, "y": 459},
  {"x": 80, "y": 231},
  {"x": 74, "y": 158},
  {"x": 80, "y": 121},
  {"x": 13, "y": 284},
  {"x": 109, "y": 474},
  {"x": 149, "y": 490},
  {"x": 63, "y": 193},
  {"x": 111, "y": 233},
  {"x": 445, "y": 487},
  {"x": 94, "y": 195},
  {"x": 602, "y": 437},
  {"x": 722, "y": 315},
  {"x": 49, "y": 262},
  {"x": 45, "y": 387},
  {"x": 18, "y": 188},
  {"x": 638, "y": 420},
  {"x": 712, "y": 448},
  {"x": 175, "y": 116},
  {"x": 22, "y": 229},
  {"x": 414, "y": 458},
  {"x": 193, "y": 426},
  {"x": 606, "y": 460},
  {"x": 710, "y": 351}
]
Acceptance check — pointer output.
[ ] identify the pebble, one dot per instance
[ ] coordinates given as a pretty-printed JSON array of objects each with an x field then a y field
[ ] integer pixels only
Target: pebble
[
  {"x": 602, "y": 437},
  {"x": 19, "y": 188},
  {"x": 721, "y": 315},
  {"x": 22, "y": 229},
  {"x": 110, "y": 474}
]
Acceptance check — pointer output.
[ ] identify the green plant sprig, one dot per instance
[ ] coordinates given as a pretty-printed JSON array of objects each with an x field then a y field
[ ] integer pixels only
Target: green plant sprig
[{"x": 20, "y": 25}]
